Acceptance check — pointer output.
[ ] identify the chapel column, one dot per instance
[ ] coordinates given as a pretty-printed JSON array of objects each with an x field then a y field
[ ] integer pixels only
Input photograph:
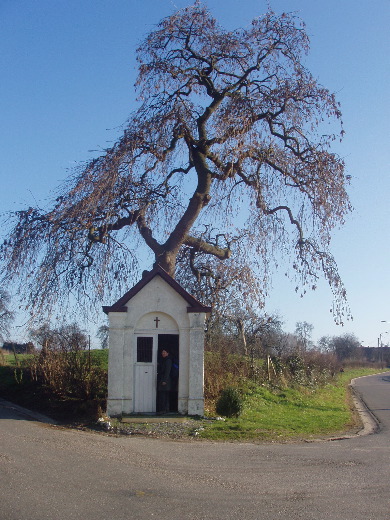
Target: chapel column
[
  {"x": 196, "y": 364},
  {"x": 116, "y": 355}
]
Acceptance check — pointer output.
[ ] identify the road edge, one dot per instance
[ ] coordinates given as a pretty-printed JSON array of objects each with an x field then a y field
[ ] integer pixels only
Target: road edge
[
  {"x": 29, "y": 414},
  {"x": 370, "y": 422}
]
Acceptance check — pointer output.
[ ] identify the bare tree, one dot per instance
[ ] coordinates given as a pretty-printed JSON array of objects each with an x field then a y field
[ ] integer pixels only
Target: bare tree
[
  {"x": 229, "y": 137},
  {"x": 304, "y": 331}
]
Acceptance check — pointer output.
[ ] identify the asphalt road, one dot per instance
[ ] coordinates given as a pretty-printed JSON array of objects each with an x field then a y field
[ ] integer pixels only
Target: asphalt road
[{"x": 51, "y": 473}]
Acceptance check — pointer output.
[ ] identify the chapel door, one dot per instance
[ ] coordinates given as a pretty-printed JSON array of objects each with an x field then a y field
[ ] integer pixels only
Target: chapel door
[
  {"x": 170, "y": 342},
  {"x": 145, "y": 375}
]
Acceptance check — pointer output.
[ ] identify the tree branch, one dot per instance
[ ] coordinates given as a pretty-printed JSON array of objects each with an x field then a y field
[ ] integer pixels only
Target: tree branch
[{"x": 205, "y": 247}]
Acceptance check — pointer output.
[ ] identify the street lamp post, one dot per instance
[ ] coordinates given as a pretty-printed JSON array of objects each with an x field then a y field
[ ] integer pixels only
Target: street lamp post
[{"x": 380, "y": 345}]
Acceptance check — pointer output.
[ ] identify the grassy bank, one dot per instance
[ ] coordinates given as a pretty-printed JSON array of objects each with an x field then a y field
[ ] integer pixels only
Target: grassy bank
[{"x": 283, "y": 414}]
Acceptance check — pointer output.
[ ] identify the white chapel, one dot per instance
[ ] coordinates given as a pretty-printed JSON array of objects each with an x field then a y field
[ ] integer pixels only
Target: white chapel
[{"x": 156, "y": 314}]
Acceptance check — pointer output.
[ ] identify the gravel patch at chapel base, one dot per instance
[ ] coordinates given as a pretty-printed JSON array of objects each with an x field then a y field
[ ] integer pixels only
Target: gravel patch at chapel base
[{"x": 183, "y": 428}]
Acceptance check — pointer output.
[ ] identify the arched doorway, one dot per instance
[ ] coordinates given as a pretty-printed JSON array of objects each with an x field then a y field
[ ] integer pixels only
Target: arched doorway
[{"x": 155, "y": 331}]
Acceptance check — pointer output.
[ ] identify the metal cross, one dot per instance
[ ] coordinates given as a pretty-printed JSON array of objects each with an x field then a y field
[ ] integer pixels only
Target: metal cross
[{"x": 156, "y": 320}]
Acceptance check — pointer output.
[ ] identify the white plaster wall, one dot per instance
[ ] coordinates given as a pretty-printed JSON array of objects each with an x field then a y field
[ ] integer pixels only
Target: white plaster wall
[
  {"x": 157, "y": 296},
  {"x": 165, "y": 323}
]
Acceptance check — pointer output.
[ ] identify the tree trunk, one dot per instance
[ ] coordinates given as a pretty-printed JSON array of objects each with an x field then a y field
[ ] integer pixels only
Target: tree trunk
[{"x": 167, "y": 260}]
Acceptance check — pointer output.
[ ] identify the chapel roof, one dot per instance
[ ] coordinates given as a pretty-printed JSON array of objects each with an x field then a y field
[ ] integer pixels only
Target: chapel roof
[{"x": 120, "y": 305}]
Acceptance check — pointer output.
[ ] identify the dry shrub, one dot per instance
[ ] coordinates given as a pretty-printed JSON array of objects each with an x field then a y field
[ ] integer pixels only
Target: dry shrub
[
  {"x": 68, "y": 374},
  {"x": 223, "y": 368}
]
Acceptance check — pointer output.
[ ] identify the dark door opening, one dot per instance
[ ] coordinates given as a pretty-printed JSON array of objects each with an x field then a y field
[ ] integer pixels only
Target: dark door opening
[{"x": 170, "y": 342}]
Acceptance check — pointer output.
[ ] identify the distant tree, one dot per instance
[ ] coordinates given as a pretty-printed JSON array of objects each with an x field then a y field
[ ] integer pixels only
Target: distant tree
[
  {"x": 19, "y": 348},
  {"x": 67, "y": 337},
  {"x": 43, "y": 336},
  {"x": 6, "y": 315},
  {"x": 226, "y": 160},
  {"x": 72, "y": 337},
  {"x": 345, "y": 347},
  {"x": 255, "y": 332},
  {"x": 264, "y": 333},
  {"x": 324, "y": 344},
  {"x": 102, "y": 335},
  {"x": 372, "y": 355},
  {"x": 289, "y": 344},
  {"x": 304, "y": 331}
]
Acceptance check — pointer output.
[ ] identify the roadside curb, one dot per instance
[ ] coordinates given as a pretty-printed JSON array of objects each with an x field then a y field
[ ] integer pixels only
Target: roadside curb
[
  {"x": 370, "y": 422},
  {"x": 29, "y": 414}
]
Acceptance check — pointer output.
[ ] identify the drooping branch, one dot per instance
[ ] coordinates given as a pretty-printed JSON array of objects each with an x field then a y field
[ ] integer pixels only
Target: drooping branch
[
  {"x": 100, "y": 233},
  {"x": 293, "y": 220}
]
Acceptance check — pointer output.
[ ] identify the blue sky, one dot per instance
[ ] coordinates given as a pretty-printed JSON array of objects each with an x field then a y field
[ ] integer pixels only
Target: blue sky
[{"x": 68, "y": 69}]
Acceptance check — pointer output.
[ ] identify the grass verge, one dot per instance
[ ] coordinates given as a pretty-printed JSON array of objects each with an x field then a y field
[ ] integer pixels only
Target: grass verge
[{"x": 287, "y": 414}]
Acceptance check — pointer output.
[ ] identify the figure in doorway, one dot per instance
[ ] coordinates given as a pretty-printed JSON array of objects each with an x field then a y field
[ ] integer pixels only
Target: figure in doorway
[{"x": 164, "y": 382}]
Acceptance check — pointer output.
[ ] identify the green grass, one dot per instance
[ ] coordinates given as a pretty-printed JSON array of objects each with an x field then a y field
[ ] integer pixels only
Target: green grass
[
  {"x": 13, "y": 361},
  {"x": 285, "y": 414},
  {"x": 100, "y": 358}
]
